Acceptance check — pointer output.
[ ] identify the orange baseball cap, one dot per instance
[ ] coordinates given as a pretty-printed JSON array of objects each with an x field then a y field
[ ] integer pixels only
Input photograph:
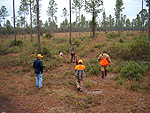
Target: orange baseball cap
[{"x": 39, "y": 55}]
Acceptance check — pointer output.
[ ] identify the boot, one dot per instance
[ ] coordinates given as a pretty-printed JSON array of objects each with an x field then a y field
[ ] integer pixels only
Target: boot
[{"x": 103, "y": 74}]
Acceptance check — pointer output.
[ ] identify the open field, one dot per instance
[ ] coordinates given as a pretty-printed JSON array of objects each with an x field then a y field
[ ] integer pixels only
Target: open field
[{"x": 59, "y": 94}]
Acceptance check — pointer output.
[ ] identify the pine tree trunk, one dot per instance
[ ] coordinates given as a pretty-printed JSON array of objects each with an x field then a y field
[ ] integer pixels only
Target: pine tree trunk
[
  {"x": 70, "y": 21},
  {"x": 38, "y": 28},
  {"x": 79, "y": 24},
  {"x": 149, "y": 19},
  {"x": 93, "y": 22},
  {"x": 142, "y": 18},
  {"x": 76, "y": 22},
  {"x": 31, "y": 20},
  {"x": 14, "y": 19},
  {"x": 4, "y": 27},
  {"x": 24, "y": 27}
]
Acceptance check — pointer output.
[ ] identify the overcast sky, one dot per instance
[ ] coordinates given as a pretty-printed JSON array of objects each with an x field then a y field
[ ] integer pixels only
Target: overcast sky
[{"x": 132, "y": 8}]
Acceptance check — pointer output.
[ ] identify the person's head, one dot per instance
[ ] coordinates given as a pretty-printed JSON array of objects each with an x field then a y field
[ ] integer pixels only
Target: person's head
[
  {"x": 80, "y": 62},
  {"x": 104, "y": 51},
  {"x": 72, "y": 44},
  {"x": 39, "y": 56}
]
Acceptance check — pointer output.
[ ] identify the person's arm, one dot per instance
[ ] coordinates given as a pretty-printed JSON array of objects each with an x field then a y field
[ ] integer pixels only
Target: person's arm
[
  {"x": 99, "y": 58},
  {"x": 41, "y": 66},
  {"x": 71, "y": 49},
  {"x": 109, "y": 60}
]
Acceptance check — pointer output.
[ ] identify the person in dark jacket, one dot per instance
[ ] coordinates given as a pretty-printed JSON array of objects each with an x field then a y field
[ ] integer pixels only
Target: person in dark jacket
[{"x": 38, "y": 70}]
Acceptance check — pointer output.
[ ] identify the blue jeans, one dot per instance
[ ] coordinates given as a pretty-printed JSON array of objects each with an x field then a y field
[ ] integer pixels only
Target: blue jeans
[{"x": 39, "y": 80}]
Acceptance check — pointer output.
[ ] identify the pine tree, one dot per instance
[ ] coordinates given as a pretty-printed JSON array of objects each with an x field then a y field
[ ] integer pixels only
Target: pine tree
[
  {"x": 65, "y": 14},
  {"x": 118, "y": 10},
  {"x": 92, "y": 6},
  {"x": 4, "y": 14},
  {"x": 52, "y": 9},
  {"x": 23, "y": 11}
]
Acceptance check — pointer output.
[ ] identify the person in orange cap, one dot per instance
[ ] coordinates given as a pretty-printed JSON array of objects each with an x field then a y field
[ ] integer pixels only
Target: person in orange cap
[
  {"x": 38, "y": 70},
  {"x": 79, "y": 74}
]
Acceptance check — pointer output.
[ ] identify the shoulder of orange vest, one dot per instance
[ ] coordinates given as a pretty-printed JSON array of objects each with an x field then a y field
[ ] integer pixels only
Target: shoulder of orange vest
[{"x": 79, "y": 67}]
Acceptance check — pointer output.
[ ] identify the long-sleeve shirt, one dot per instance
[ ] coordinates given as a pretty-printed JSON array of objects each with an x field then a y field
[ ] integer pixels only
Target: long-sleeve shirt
[
  {"x": 71, "y": 49},
  {"x": 38, "y": 66}
]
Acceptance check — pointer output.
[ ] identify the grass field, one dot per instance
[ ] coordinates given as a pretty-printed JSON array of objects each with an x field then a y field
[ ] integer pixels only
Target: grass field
[{"x": 126, "y": 89}]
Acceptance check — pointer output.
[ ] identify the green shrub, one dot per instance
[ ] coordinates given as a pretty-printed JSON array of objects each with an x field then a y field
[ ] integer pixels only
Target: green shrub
[
  {"x": 112, "y": 35},
  {"x": 135, "y": 86},
  {"x": 88, "y": 83},
  {"x": 93, "y": 69},
  {"x": 46, "y": 52},
  {"x": 93, "y": 60},
  {"x": 116, "y": 69},
  {"x": 77, "y": 42},
  {"x": 134, "y": 49},
  {"x": 121, "y": 40},
  {"x": 41, "y": 34},
  {"x": 64, "y": 48},
  {"x": 120, "y": 80},
  {"x": 16, "y": 43},
  {"x": 83, "y": 53},
  {"x": 4, "y": 51},
  {"x": 132, "y": 70},
  {"x": 98, "y": 45},
  {"x": 140, "y": 48},
  {"x": 49, "y": 35}
]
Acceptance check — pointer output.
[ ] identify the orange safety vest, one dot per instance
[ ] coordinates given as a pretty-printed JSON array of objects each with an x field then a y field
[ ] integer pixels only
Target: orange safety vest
[
  {"x": 104, "y": 61},
  {"x": 79, "y": 67}
]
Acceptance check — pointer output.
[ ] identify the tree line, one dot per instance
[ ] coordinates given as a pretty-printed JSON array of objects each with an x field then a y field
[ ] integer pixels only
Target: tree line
[{"x": 106, "y": 23}]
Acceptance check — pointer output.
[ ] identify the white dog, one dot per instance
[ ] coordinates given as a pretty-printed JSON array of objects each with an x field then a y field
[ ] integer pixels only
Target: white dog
[{"x": 61, "y": 54}]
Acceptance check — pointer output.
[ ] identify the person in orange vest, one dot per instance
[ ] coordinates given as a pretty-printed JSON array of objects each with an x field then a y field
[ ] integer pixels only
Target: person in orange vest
[
  {"x": 104, "y": 62},
  {"x": 79, "y": 74}
]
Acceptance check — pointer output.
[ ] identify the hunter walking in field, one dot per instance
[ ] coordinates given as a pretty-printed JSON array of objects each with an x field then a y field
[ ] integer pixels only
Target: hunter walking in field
[
  {"x": 72, "y": 52},
  {"x": 104, "y": 62},
  {"x": 38, "y": 70},
  {"x": 79, "y": 74}
]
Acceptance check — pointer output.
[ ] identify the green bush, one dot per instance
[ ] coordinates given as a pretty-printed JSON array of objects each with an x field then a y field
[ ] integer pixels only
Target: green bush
[
  {"x": 98, "y": 45},
  {"x": 132, "y": 70},
  {"x": 136, "y": 49},
  {"x": 77, "y": 42},
  {"x": 46, "y": 52},
  {"x": 112, "y": 35},
  {"x": 121, "y": 40},
  {"x": 16, "y": 43},
  {"x": 41, "y": 34},
  {"x": 3, "y": 50},
  {"x": 64, "y": 48},
  {"x": 93, "y": 69},
  {"x": 135, "y": 86},
  {"x": 93, "y": 60},
  {"x": 49, "y": 35},
  {"x": 140, "y": 48}
]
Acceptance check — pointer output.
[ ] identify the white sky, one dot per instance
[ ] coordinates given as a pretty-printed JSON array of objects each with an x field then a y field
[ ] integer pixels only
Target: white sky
[{"x": 132, "y": 8}]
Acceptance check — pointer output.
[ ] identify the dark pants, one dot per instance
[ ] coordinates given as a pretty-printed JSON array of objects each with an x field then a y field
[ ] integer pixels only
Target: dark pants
[{"x": 73, "y": 57}]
